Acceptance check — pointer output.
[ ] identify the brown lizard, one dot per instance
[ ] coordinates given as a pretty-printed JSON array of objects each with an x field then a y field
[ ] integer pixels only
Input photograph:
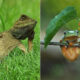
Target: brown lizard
[{"x": 23, "y": 28}]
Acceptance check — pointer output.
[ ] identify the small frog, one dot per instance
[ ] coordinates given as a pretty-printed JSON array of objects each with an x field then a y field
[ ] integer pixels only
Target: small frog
[
  {"x": 69, "y": 52},
  {"x": 23, "y": 28}
]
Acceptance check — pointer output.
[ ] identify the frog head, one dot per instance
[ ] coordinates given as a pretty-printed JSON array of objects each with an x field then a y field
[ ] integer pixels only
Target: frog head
[
  {"x": 70, "y": 33},
  {"x": 70, "y": 36}
]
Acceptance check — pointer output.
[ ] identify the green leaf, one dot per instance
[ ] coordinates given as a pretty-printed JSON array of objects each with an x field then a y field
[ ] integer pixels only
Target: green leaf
[{"x": 58, "y": 21}]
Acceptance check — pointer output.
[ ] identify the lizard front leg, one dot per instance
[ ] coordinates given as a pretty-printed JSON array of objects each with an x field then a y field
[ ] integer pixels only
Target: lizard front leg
[
  {"x": 30, "y": 45},
  {"x": 22, "y": 47},
  {"x": 30, "y": 41}
]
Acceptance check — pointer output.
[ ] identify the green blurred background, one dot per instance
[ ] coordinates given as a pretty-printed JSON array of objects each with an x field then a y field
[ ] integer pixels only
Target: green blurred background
[
  {"x": 53, "y": 65},
  {"x": 53, "y": 7},
  {"x": 18, "y": 66}
]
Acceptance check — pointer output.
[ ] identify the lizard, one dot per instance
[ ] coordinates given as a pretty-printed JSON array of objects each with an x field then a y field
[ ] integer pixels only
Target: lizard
[{"x": 22, "y": 29}]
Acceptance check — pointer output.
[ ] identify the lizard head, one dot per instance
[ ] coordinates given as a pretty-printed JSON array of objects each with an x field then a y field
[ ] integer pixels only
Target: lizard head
[
  {"x": 23, "y": 27},
  {"x": 25, "y": 21}
]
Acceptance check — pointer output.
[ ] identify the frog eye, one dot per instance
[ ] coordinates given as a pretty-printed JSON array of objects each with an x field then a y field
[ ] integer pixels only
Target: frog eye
[{"x": 64, "y": 32}]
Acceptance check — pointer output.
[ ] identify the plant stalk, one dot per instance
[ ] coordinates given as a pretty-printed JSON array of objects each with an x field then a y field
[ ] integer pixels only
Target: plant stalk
[{"x": 60, "y": 44}]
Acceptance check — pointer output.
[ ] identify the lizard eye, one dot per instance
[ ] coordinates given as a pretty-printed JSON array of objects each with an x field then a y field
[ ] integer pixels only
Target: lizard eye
[{"x": 23, "y": 17}]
